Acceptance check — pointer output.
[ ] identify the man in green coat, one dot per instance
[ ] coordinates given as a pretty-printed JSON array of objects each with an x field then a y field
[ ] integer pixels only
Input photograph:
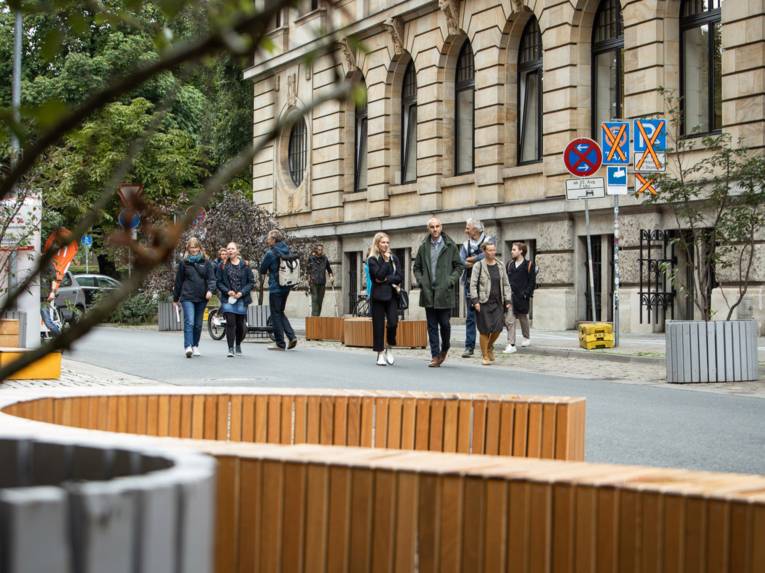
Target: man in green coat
[{"x": 438, "y": 268}]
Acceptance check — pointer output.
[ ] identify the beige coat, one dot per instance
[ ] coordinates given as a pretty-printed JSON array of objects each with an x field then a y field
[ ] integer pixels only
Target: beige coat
[{"x": 480, "y": 283}]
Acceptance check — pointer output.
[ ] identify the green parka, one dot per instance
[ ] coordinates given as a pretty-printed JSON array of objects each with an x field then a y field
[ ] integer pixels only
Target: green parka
[{"x": 438, "y": 291}]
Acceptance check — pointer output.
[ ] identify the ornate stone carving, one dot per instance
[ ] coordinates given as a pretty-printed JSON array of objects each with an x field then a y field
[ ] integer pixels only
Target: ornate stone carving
[
  {"x": 349, "y": 55},
  {"x": 395, "y": 27},
  {"x": 292, "y": 89},
  {"x": 451, "y": 9}
]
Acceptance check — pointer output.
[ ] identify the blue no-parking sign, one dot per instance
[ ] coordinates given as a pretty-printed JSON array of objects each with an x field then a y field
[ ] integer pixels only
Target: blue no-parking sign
[{"x": 615, "y": 138}]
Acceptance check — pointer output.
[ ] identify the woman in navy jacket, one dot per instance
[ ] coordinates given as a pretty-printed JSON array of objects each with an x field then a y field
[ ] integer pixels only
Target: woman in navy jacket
[
  {"x": 235, "y": 283},
  {"x": 386, "y": 276}
]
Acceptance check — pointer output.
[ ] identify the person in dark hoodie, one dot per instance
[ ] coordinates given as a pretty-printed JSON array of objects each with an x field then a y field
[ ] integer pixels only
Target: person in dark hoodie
[
  {"x": 235, "y": 281},
  {"x": 277, "y": 294},
  {"x": 438, "y": 268},
  {"x": 195, "y": 282}
]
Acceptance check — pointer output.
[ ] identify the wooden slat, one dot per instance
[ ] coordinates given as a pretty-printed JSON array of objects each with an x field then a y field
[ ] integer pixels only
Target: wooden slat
[
  {"x": 381, "y": 406},
  {"x": 293, "y": 519},
  {"x": 520, "y": 424},
  {"x": 463, "y": 426},
  {"x": 227, "y": 506},
  {"x": 340, "y": 422},
  {"x": 222, "y": 418},
  {"x": 339, "y": 519},
  {"x": 274, "y": 419},
  {"x": 408, "y": 423},
  {"x": 250, "y": 503},
  {"x": 534, "y": 430},
  {"x": 327, "y": 424},
  {"x": 422, "y": 434}
]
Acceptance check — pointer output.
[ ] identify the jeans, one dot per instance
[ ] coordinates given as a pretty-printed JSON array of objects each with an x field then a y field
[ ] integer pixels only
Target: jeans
[
  {"x": 282, "y": 326},
  {"x": 383, "y": 310},
  {"x": 438, "y": 318},
  {"x": 235, "y": 328},
  {"x": 193, "y": 315},
  {"x": 317, "y": 298},
  {"x": 469, "y": 321}
]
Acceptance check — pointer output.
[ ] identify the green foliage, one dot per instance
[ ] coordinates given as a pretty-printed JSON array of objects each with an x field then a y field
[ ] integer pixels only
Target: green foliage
[
  {"x": 141, "y": 308},
  {"x": 718, "y": 200}
]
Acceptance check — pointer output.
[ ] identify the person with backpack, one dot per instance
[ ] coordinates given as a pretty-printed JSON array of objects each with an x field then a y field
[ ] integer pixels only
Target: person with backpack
[
  {"x": 318, "y": 269},
  {"x": 235, "y": 281},
  {"x": 386, "y": 277},
  {"x": 490, "y": 296},
  {"x": 195, "y": 281},
  {"x": 523, "y": 280},
  {"x": 283, "y": 268},
  {"x": 437, "y": 268},
  {"x": 471, "y": 254}
]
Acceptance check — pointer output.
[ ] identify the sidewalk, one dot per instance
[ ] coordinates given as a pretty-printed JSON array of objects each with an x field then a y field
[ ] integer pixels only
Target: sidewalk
[{"x": 641, "y": 348}]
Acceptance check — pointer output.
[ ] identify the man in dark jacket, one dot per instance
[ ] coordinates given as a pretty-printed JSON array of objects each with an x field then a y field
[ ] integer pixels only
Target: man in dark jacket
[
  {"x": 318, "y": 269},
  {"x": 522, "y": 274},
  {"x": 437, "y": 269},
  {"x": 277, "y": 294}
]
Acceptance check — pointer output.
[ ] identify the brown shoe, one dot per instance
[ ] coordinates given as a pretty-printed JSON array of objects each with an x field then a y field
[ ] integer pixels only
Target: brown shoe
[
  {"x": 435, "y": 362},
  {"x": 442, "y": 358}
]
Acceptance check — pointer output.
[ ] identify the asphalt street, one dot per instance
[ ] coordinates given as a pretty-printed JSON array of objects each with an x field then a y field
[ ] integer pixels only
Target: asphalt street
[{"x": 626, "y": 423}]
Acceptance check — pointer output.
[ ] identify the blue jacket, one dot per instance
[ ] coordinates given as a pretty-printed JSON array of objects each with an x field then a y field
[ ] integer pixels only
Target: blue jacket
[{"x": 270, "y": 265}]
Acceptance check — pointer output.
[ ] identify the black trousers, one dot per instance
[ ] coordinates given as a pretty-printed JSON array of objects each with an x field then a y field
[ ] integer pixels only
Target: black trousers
[
  {"x": 438, "y": 318},
  {"x": 382, "y": 310},
  {"x": 235, "y": 328}
]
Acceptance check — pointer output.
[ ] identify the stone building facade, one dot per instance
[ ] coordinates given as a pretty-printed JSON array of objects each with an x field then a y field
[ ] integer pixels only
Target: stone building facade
[{"x": 510, "y": 82}]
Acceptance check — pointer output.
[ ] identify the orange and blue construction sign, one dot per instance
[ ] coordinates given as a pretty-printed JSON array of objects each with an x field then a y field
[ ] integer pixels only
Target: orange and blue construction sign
[
  {"x": 644, "y": 184},
  {"x": 615, "y": 138},
  {"x": 650, "y": 145}
]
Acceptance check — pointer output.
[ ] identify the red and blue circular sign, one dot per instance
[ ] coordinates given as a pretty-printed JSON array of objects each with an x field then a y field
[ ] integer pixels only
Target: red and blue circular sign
[{"x": 582, "y": 157}]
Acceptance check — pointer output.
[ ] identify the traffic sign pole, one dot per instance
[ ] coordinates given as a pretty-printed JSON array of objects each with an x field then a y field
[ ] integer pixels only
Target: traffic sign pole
[
  {"x": 589, "y": 260},
  {"x": 617, "y": 271}
]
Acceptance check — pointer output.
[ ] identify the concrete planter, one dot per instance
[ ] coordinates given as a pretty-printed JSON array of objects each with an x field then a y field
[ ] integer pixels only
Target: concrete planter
[{"x": 715, "y": 351}]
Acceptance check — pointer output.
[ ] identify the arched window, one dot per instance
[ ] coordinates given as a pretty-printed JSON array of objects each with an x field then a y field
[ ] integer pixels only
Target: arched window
[
  {"x": 409, "y": 125},
  {"x": 530, "y": 94},
  {"x": 701, "y": 65},
  {"x": 607, "y": 65},
  {"x": 297, "y": 152},
  {"x": 464, "y": 111},
  {"x": 360, "y": 147}
]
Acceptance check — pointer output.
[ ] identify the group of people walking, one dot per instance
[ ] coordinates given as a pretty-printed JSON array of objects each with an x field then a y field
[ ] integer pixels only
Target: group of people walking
[
  {"x": 497, "y": 295},
  {"x": 231, "y": 277}
]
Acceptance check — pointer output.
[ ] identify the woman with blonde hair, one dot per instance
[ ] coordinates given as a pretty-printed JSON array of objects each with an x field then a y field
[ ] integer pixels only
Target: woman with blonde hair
[
  {"x": 386, "y": 278},
  {"x": 195, "y": 281},
  {"x": 490, "y": 296}
]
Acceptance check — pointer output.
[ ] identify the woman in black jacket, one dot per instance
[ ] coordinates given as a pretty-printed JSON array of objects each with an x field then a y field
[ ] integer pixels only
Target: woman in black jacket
[
  {"x": 194, "y": 285},
  {"x": 386, "y": 277},
  {"x": 235, "y": 283}
]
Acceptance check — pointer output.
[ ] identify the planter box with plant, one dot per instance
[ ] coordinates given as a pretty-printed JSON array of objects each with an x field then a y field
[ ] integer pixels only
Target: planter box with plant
[{"x": 717, "y": 200}]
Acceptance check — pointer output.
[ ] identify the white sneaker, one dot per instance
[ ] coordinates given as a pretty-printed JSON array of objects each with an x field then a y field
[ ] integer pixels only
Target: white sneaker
[
  {"x": 389, "y": 357},
  {"x": 526, "y": 342},
  {"x": 509, "y": 349},
  {"x": 195, "y": 351},
  {"x": 381, "y": 359},
  {"x": 188, "y": 352}
]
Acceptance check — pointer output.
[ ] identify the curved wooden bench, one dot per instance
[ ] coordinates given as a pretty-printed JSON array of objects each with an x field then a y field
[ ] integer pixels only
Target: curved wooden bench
[
  {"x": 543, "y": 427},
  {"x": 74, "y": 507},
  {"x": 313, "y": 508}
]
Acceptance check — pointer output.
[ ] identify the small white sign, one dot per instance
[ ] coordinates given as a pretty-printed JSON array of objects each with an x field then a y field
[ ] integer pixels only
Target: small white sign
[
  {"x": 616, "y": 180},
  {"x": 585, "y": 188}
]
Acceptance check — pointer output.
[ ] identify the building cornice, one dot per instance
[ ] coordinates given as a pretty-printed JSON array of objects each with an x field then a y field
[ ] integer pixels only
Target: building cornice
[{"x": 372, "y": 24}]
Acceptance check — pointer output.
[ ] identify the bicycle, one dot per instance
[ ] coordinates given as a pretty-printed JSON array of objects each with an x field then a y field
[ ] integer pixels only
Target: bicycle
[
  {"x": 216, "y": 326},
  {"x": 361, "y": 309}
]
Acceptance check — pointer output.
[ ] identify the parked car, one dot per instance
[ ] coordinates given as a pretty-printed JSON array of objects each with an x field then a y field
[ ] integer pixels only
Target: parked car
[{"x": 78, "y": 292}]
